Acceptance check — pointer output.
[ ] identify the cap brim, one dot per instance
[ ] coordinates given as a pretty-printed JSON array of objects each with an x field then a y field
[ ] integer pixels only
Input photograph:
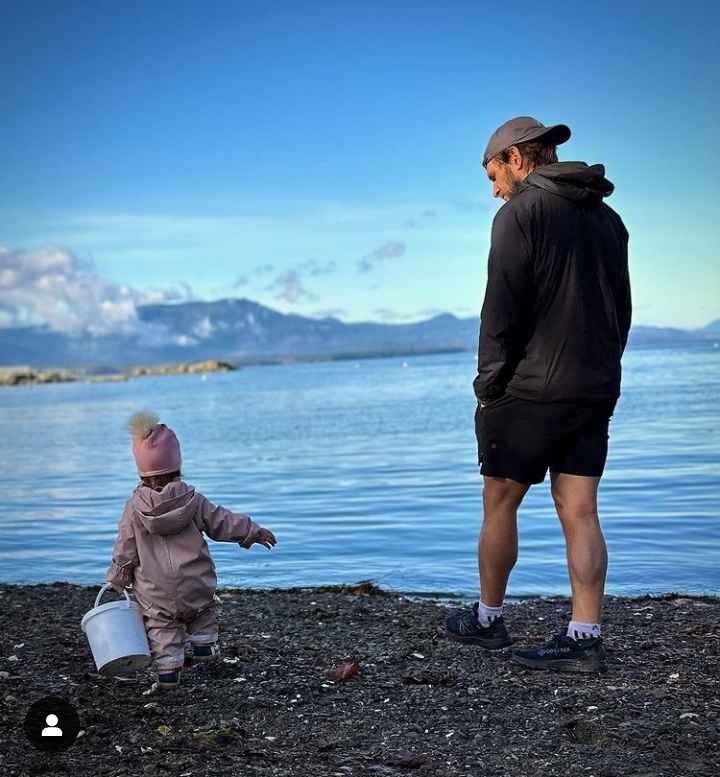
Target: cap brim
[{"x": 555, "y": 135}]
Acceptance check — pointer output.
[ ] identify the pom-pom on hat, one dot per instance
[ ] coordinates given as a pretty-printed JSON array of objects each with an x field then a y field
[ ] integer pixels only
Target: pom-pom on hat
[{"x": 155, "y": 447}]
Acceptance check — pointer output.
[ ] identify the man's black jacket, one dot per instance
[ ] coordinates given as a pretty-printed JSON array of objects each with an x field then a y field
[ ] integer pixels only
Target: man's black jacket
[{"x": 557, "y": 308}]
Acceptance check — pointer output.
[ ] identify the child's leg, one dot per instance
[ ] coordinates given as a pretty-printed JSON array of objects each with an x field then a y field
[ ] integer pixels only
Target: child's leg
[
  {"x": 167, "y": 640},
  {"x": 203, "y": 634}
]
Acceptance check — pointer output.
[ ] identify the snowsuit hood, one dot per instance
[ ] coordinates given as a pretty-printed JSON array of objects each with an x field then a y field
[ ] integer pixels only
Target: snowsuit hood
[
  {"x": 576, "y": 181},
  {"x": 165, "y": 512}
]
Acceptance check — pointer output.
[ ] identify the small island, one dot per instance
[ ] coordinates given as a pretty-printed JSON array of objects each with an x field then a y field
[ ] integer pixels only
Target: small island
[{"x": 23, "y": 375}]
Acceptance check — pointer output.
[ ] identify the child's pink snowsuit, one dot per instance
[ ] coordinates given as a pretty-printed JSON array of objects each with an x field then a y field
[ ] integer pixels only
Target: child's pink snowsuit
[{"x": 161, "y": 551}]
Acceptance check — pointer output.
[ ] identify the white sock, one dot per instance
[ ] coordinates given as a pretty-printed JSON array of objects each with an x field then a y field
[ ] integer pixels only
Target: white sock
[
  {"x": 579, "y": 630},
  {"x": 486, "y": 615}
]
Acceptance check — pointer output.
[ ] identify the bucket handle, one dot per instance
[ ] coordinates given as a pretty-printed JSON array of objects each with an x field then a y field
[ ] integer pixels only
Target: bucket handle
[{"x": 105, "y": 588}]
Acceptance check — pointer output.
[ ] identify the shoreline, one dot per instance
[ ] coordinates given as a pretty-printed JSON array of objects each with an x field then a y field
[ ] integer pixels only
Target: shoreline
[
  {"x": 25, "y": 375},
  {"x": 371, "y": 587},
  {"x": 420, "y": 703}
]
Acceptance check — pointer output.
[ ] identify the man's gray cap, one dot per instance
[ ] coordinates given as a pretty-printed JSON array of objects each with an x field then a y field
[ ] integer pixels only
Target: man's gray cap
[{"x": 523, "y": 129}]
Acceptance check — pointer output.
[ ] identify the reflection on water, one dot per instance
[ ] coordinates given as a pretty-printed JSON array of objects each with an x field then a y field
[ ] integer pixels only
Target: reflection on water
[{"x": 363, "y": 470}]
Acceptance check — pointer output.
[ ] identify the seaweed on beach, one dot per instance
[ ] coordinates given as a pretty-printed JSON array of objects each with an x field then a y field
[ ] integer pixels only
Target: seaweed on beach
[{"x": 344, "y": 681}]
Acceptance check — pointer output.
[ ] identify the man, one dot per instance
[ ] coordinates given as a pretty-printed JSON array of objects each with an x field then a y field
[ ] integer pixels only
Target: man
[{"x": 554, "y": 325}]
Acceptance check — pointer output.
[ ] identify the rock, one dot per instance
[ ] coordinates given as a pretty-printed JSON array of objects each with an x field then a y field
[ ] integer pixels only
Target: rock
[
  {"x": 23, "y": 375},
  {"x": 407, "y": 760},
  {"x": 182, "y": 368}
]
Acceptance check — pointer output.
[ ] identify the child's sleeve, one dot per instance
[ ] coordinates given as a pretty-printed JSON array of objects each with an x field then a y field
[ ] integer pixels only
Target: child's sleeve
[
  {"x": 225, "y": 526},
  {"x": 125, "y": 557}
]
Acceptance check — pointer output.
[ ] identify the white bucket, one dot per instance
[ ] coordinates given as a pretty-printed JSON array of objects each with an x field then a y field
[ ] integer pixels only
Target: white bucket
[{"x": 116, "y": 635}]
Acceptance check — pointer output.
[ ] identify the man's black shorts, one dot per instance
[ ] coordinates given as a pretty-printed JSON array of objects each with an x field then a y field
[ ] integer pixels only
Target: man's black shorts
[{"x": 521, "y": 440}]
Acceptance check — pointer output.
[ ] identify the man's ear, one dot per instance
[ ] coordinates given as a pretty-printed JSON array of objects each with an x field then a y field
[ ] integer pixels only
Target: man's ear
[{"x": 515, "y": 158}]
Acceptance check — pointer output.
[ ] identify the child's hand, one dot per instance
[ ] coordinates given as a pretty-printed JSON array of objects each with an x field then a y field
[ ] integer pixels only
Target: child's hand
[
  {"x": 119, "y": 588},
  {"x": 265, "y": 537}
]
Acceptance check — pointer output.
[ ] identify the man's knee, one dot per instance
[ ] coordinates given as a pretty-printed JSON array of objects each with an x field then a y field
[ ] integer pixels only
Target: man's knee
[
  {"x": 573, "y": 515},
  {"x": 573, "y": 512},
  {"x": 575, "y": 498},
  {"x": 502, "y": 494}
]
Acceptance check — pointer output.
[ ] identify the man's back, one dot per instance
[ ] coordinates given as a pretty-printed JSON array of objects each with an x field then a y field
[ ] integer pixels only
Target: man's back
[
  {"x": 557, "y": 311},
  {"x": 554, "y": 324}
]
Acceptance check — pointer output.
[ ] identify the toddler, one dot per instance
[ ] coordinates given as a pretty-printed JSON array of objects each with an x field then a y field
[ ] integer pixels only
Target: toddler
[{"x": 161, "y": 552}]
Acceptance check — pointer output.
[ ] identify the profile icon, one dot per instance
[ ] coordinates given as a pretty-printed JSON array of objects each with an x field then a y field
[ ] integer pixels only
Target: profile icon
[
  {"x": 52, "y": 724},
  {"x": 51, "y": 730}
]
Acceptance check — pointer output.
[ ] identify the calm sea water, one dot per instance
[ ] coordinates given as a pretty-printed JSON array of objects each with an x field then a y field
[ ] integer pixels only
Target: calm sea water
[{"x": 363, "y": 470}]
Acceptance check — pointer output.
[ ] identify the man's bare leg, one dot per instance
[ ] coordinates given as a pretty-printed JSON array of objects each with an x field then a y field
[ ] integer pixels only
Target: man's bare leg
[
  {"x": 498, "y": 543},
  {"x": 482, "y": 624},
  {"x": 575, "y": 499}
]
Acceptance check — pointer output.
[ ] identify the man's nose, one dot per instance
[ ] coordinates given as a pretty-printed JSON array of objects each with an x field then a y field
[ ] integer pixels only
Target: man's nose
[{"x": 496, "y": 190}]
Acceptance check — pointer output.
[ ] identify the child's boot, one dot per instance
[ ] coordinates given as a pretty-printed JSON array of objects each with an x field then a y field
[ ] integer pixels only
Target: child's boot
[
  {"x": 202, "y": 653},
  {"x": 168, "y": 679}
]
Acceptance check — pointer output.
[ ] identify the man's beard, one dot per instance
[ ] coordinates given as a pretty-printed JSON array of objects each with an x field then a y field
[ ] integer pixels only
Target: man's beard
[{"x": 512, "y": 186}]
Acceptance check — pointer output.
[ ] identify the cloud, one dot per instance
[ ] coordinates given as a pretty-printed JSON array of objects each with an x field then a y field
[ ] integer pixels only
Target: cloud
[
  {"x": 420, "y": 221},
  {"x": 390, "y": 250},
  {"x": 330, "y": 313},
  {"x": 315, "y": 269},
  {"x": 386, "y": 314},
  {"x": 290, "y": 287},
  {"x": 466, "y": 204},
  {"x": 290, "y": 284},
  {"x": 54, "y": 287},
  {"x": 430, "y": 312},
  {"x": 258, "y": 271}
]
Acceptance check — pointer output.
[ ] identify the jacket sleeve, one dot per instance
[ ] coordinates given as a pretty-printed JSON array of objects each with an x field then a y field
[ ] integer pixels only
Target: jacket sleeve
[
  {"x": 225, "y": 526},
  {"x": 125, "y": 557},
  {"x": 624, "y": 304},
  {"x": 507, "y": 306}
]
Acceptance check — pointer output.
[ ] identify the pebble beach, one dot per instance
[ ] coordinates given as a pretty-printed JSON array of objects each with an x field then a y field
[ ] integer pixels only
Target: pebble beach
[{"x": 353, "y": 680}]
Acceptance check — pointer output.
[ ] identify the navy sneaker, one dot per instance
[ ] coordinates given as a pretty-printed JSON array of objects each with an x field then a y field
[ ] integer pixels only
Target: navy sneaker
[
  {"x": 202, "y": 653},
  {"x": 463, "y": 626},
  {"x": 565, "y": 654},
  {"x": 166, "y": 681}
]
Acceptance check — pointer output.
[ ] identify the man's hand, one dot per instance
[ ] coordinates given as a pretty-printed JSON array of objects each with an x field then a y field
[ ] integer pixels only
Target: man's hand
[{"x": 266, "y": 538}]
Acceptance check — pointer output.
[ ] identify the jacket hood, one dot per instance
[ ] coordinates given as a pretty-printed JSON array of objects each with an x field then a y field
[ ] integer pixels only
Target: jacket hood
[
  {"x": 165, "y": 512},
  {"x": 572, "y": 180}
]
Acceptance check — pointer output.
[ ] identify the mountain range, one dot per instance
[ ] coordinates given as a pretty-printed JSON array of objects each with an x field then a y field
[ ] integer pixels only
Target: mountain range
[{"x": 242, "y": 331}]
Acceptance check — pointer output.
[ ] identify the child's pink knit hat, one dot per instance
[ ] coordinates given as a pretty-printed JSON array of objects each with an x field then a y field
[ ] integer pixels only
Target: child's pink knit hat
[{"x": 155, "y": 446}]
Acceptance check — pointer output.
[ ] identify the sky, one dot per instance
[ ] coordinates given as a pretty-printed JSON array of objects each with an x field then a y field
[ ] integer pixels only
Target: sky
[{"x": 324, "y": 158}]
